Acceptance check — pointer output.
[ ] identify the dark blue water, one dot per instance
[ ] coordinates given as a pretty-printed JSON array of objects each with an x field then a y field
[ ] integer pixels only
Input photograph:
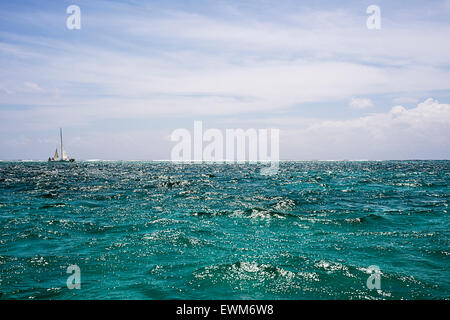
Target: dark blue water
[{"x": 147, "y": 230}]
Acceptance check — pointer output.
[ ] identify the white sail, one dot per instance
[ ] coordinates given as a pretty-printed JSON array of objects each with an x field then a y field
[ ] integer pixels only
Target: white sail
[
  {"x": 56, "y": 154},
  {"x": 64, "y": 155}
]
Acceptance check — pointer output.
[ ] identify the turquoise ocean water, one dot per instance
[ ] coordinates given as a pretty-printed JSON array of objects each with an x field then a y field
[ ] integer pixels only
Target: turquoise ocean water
[{"x": 156, "y": 230}]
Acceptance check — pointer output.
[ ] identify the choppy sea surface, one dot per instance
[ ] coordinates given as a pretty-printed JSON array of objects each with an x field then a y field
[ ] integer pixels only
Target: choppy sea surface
[{"x": 158, "y": 230}]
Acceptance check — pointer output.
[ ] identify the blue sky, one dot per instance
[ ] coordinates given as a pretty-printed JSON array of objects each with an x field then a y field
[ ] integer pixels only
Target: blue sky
[{"x": 137, "y": 70}]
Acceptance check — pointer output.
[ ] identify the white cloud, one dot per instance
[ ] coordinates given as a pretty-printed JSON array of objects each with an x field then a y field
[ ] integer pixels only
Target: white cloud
[
  {"x": 32, "y": 87},
  {"x": 417, "y": 133},
  {"x": 6, "y": 90},
  {"x": 420, "y": 132},
  {"x": 360, "y": 103},
  {"x": 113, "y": 85},
  {"x": 221, "y": 65}
]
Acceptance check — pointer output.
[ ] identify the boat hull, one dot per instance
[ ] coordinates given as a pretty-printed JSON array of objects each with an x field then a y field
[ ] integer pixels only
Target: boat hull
[{"x": 70, "y": 160}]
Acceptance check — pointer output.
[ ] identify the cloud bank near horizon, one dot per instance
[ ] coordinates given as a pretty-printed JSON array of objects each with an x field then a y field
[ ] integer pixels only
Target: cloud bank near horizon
[{"x": 418, "y": 133}]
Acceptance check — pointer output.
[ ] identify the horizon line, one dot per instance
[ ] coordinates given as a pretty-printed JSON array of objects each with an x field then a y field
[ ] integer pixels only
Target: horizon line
[{"x": 227, "y": 161}]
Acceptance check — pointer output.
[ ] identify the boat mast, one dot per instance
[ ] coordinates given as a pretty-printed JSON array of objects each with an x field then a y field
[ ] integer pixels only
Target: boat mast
[{"x": 60, "y": 134}]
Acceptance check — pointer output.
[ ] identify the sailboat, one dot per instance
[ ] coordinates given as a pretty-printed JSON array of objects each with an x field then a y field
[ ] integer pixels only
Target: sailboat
[
  {"x": 64, "y": 156},
  {"x": 55, "y": 157}
]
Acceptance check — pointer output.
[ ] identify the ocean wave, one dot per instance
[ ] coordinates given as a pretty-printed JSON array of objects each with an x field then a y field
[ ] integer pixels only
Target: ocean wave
[{"x": 225, "y": 231}]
